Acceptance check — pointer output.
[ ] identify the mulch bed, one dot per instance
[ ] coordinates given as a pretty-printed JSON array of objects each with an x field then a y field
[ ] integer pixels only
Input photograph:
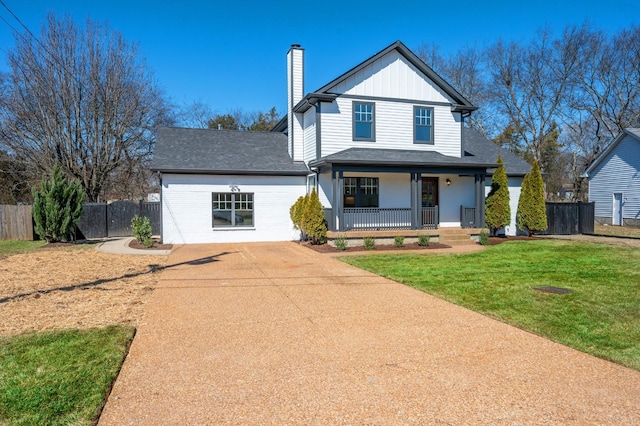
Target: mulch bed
[
  {"x": 326, "y": 248},
  {"x": 134, "y": 244}
]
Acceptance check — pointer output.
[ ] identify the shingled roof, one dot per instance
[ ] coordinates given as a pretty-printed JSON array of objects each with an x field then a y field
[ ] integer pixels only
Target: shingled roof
[
  {"x": 483, "y": 150},
  {"x": 182, "y": 150},
  {"x": 479, "y": 152}
]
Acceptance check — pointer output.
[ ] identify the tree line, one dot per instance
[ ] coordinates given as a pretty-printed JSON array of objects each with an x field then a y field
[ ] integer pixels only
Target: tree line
[
  {"x": 556, "y": 99},
  {"x": 83, "y": 97}
]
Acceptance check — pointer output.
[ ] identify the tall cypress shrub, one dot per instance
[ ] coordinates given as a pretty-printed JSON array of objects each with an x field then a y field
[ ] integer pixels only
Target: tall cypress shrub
[
  {"x": 313, "y": 223},
  {"x": 532, "y": 211},
  {"x": 296, "y": 211},
  {"x": 57, "y": 206},
  {"x": 497, "y": 208}
]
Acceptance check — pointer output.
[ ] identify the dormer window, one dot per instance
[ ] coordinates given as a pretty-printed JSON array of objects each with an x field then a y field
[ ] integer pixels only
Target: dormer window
[
  {"x": 364, "y": 121},
  {"x": 423, "y": 125}
]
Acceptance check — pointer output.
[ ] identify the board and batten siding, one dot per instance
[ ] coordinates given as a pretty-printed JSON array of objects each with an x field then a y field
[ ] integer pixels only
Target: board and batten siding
[
  {"x": 393, "y": 128},
  {"x": 187, "y": 208},
  {"x": 392, "y": 76},
  {"x": 309, "y": 135},
  {"x": 618, "y": 172},
  {"x": 295, "y": 92}
]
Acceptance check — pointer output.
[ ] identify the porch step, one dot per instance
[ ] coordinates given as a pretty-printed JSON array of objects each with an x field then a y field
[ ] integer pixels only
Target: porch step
[{"x": 457, "y": 236}]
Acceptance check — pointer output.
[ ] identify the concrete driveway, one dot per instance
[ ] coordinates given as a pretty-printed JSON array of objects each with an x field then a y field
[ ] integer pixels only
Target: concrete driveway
[{"x": 260, "y": 334}]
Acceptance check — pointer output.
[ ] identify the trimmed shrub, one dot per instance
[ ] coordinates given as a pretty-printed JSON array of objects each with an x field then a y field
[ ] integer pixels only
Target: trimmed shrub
[
  {"x": 483, "y": 238},
  {"x": 296, "y": 211},
  {"x": 532, "y": 211},
  {"x": 341, "y": 242},
  {"x": 313, "y": 223},
  {"x": 57, "y": 206},
  {"x": 142, "y": 232},
  {"x": 398, "y": 241},
  {"x": 369, "y": 243},
  {"x": 423, "y": 240},
  {"x": 497, "y": 209}
]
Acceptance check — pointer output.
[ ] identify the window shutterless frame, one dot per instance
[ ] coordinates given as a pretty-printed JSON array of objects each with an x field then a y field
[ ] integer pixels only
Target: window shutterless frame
[
  {"x": 423, "y": 125},
  {"x": 232, "y": 209},
  {"x": 364, "y": 121}
]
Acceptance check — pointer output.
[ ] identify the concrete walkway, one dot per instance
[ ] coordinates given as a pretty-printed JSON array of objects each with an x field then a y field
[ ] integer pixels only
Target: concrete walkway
[
  {"x": 276, "y": 334},
  {"x": 120, "y": 245}
]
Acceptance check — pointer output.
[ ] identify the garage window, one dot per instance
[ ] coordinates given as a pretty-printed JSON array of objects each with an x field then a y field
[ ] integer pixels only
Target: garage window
[{"x": 232, "y": 209}]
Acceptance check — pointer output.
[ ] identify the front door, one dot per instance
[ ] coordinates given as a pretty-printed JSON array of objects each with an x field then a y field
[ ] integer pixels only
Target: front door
[
  {"x": 429, "y": 202},
  {"x": 429, "y": 192},
  {"x": 616, "y": 218}
]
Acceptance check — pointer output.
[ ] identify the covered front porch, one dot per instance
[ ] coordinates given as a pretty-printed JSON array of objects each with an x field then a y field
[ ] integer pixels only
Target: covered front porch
[{"x": 426, "y": 199}]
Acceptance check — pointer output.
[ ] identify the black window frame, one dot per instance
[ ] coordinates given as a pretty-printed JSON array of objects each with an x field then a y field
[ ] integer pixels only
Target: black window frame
[
  {"x": 416, "y": 125},
  {"x": 372, "y": 121},
  {"x": 235, "y": 219},
  {"x": 359, "y": 188}
]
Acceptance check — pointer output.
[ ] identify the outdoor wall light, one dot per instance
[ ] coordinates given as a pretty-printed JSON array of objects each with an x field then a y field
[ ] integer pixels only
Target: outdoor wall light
[{"x": 448, "y": 181}]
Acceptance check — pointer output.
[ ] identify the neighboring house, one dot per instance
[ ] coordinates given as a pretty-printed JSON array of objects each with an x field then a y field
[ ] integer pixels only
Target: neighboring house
[
  {"x": 384, "y": 144},
  {"x": 614, "y": 181}
]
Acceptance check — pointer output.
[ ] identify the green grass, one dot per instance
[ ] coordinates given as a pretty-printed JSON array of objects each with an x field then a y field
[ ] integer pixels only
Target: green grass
[
  {"x": 600, "y": 317},
  {"x": 11, "y": 247},
  {"x": 59, "y": 378}
]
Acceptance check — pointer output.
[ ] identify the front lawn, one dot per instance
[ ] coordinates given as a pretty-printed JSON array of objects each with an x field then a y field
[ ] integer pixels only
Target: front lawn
[
  {"x": 59, "y": 378},
  {"x": 11, "y": 247},
  {"x": 601, "y": 316}
]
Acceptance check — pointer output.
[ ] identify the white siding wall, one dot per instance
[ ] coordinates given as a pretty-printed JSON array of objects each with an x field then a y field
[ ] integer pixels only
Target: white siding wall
[
  {"x": 450, "y": 198},
  {"x": 515, "y": 183},
  {"x": 619, "y": 172},
  {"x": 310, "y": 134},
  {"x": 392, "y": 76},
  {"x": 393, "y": 128},
  {"x": 187, "y": 208}
]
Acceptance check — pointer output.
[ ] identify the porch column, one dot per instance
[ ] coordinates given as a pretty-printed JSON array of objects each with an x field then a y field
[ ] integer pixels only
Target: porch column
[
  {"x": 416, "y": 205},
  {"x": 337, "y": 182},
  {"x": 479, "y": 201}
]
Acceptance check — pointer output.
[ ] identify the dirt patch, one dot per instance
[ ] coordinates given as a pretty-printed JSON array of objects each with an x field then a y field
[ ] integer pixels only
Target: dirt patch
[
  {"x": 134, "y": 244},
  {"x": 326, "y": 248},
  {"x": 60, "y": 288}
]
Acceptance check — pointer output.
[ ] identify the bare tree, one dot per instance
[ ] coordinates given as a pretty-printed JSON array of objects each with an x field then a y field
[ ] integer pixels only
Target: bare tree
[
  {"x": 82, "y": 97},
  {"x": 465, "y": 71}
]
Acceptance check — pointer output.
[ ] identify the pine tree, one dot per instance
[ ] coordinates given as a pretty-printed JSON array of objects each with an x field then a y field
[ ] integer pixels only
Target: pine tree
[
  {"x": 57, "y": 207},
  {"x": 497, "y": 208},
  {"x": 313, "y": 222},
  {"x": 532, "y": 211}
]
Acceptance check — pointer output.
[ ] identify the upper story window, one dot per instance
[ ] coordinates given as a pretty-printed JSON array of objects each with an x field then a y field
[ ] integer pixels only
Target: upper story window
[
  {"x": 423, "y": 125},
  {"x": 364, "y": 128},
  {"x": 232, "y": 209}
]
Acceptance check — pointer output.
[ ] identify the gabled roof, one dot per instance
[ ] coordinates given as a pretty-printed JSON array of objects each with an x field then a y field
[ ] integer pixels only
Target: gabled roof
[
  {"x": 462, "y": 103},
  {"x": 634, "y": 132},
  {"x": 181, "y": 150}
]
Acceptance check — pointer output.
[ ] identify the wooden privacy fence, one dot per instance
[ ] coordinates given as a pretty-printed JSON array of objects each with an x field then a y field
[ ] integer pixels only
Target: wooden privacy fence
[
  {"x": 98, "y": 220},
  {"x": 570, "y": 218},
  {"x": 16, "y": 223}
]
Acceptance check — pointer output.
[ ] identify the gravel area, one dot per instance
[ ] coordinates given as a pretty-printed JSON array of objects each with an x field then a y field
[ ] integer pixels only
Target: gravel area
[{"x": 276, "y": 334}]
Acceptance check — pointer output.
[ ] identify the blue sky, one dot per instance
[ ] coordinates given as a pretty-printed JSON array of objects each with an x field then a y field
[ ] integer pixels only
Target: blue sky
[{"x": 231, "y": 54}]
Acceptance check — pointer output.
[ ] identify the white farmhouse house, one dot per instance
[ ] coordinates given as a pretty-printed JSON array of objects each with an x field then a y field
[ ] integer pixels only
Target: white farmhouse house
[
  {"x": 384, "y": 144},
  {"x": 614, "y": 181}
]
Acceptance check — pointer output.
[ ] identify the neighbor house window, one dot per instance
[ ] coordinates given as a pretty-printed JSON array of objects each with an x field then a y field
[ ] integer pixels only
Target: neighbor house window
[
  {"x": 364, "y": 121},
  {"x": 423, "y": 125},
  {"x": 360, "y": 192},
  {"x": 232, "y": 209}
]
